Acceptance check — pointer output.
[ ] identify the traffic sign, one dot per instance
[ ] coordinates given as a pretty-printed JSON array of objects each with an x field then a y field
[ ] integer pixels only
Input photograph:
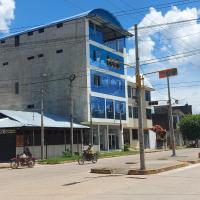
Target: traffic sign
[{"x": 168, "y": 72}]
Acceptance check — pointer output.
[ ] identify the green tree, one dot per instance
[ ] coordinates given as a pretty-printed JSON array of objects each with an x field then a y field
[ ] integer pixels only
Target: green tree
[{"x": 190, "y": 127}]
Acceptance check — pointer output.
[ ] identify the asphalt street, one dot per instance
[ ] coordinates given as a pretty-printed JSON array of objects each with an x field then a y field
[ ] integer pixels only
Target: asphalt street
[{"x": 71, "y": 181}]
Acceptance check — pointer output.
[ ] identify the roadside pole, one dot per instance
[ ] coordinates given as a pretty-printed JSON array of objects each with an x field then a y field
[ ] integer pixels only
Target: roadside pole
[
  {"x": 71, "y": 79},
  {"x": 42, "y": 117},
  {"x": 171, "y": 128},
  {"x": 91, "y": 124},
  {"x": 140, "y": 105}
]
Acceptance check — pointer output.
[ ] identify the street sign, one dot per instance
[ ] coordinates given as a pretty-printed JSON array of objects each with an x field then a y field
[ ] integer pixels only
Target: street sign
[{"x": 168, "y": 72}]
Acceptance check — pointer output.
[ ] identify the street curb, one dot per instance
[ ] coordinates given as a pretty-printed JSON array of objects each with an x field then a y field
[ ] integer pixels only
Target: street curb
[
  {"x": 4, "y": 165},
  {"x": 138, "y": 171},
  {"x": 156, "y": 171}
]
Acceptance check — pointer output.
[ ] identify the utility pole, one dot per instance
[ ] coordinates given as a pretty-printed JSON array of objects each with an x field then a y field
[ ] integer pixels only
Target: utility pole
[
  {"x": 171, "y": 128},
  {"x": 121, "y": 127},
  {"x": 139, "y": 101},
  {"x": 91, "y": 123},
  {"x": 71, "y": 79},
  {"x": 42, "y": 117}
]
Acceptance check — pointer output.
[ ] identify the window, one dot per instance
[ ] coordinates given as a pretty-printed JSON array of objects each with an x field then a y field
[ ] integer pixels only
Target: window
[
  {"x": 134, "y": 134},
  {"x": 98, "y": 107},
  {"x": 135, "y": 112},
  {"x": 30, "y": 57},
  {"x": 109, "y": 109},
  {"x": 30, "y": 106},
  {"x": 147, "y": 96},
  {"x": 5, "y": 63},
  {"x": 148, "y": 114},
  {"x": 97, "y": 80},
  {"x": 41, "y": 30},
  {"x": 130, "y": 112},
  {"x": 129, "y": 91},
  {"x": 120, "y": 110},
  {"x": 94, "y": 55},
  {"x": 3, "y": 41},
  {"x": 60, "y": 25},
  {"x": 40, "y": 55},
  {"x": 134, "y": 95},
  {"x": 17, "y": 40},
  {"x": 30, "y": 33},
  {"x": 16, "y": 87},
  {"x": 59, "y": 51}
]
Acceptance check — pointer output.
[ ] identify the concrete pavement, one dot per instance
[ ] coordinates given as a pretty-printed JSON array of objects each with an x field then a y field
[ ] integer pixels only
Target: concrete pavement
[
  {"x": 155, "y": 163},
  {"x": 74, "y": 182}
]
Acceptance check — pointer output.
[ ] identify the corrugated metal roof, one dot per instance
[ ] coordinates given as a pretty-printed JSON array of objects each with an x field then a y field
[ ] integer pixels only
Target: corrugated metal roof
[
  {"x": 91, "y": 13},
  {"x": 9, "y": 123},
  {"x": 33, "y": 119}
]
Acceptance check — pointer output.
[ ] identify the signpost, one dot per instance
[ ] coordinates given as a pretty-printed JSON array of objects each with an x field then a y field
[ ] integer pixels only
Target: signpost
[{"x": 166, "y": 74}]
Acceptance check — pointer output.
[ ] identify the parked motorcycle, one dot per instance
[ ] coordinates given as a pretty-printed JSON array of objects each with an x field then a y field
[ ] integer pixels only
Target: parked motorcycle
[
  {"x": 22, "y": 160},
  {"x": 87, "y": 157}
]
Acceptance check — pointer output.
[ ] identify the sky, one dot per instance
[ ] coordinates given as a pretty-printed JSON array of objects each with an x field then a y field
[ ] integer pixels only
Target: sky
[{"x": 154, "y": 43}]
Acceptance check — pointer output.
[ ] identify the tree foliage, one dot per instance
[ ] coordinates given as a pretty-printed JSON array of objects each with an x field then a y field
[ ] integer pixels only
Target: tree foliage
[{"x": 190, "y": 127}]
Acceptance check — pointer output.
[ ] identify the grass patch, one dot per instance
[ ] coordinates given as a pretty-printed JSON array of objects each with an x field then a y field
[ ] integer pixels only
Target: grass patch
[
  {"x": 58, "y": 160},
  {"x": 64, "y": 159},
  {"x": 110, "y": 154}
]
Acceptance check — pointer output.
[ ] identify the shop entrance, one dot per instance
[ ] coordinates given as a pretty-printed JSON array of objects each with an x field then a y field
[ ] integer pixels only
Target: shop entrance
[
  {"x": 113, "y": 142},
  {"x": 7, "y": 146}
]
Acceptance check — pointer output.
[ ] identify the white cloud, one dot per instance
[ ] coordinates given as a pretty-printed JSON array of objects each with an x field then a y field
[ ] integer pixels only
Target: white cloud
[
  {"x": 7, "y": 8},
  {"x": 156, "y": 42}
]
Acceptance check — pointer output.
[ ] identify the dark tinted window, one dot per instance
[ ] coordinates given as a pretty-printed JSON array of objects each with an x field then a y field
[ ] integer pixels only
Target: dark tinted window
[
  {"x": 17, "y": 40},
  {"x": 135, "y": 112},
  {"x": 17, "y": 88},
  {"x": 134, "y": 134},
  {"x": 60, "y": 25},
  {"x": 59, "y": 51},
  {"x": 30, "y": 33},
  {"x": 41, "y": 30}
]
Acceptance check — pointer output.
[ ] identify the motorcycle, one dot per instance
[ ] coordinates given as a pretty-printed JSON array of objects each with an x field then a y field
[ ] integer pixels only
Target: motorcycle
[
  {"x": 22, "y": 160},
  {"x": 87, "y": 157}
]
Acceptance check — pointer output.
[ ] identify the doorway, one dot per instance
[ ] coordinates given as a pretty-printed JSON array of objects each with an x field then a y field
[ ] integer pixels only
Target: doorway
[
  {"x": 113, "y": 142},
  {"x": 7, "y": 146}
]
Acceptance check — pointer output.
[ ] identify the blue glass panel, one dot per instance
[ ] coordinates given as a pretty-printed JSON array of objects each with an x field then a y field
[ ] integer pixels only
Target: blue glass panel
[
  {"x": 109, "y": 109},
  {"x": 95, "y": 35},
  {"x": 98, "y": 107},
  {"x": 107, "y": 84},
  {"x": 99, "y": 57},
  {"x": 120, "y": 106}
]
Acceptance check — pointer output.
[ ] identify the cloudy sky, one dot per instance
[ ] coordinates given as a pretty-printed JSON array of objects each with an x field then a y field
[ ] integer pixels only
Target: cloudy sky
[{"x": 181, "y": 39}]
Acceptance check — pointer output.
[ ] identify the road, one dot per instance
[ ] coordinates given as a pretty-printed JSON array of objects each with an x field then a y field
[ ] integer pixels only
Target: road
[{"x": 71, "y": 181}]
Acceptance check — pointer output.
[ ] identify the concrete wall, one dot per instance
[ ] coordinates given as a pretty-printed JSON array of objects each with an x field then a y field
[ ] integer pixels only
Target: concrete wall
[{"x": 71, "y": 39}]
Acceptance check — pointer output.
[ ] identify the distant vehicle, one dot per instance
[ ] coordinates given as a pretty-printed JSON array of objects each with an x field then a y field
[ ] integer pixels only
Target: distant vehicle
[
  {"x": 87, "y": 157},
  {"x": 22, "y": 160}
]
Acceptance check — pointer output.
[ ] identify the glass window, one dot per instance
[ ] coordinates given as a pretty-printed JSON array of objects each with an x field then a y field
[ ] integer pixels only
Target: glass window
[
  {"x": 148, "y": 114},
  {"x": 135, "y": 112},
  {"x": 109, "y": 109},
  {"x": 106, "y": 60},
  {"x": 120, "y": 110},
  {"x": 147, "y": 96},
  {"x": 134, "y": 93},
  {"x": 97, "y": 80},
  {"x": 130, "y": 112},
  {"x": 107, "y": 84},
  {"x": 98, "y": 107},
  {"x": 129, "y": 91}
]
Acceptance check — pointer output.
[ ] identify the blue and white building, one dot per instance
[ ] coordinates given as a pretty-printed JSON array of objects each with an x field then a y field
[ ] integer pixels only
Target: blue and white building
[{"x": 89, "y": 46}]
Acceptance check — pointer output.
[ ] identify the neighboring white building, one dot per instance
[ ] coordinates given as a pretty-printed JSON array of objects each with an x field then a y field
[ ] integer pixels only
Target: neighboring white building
[{"x": 131, "y": 128}]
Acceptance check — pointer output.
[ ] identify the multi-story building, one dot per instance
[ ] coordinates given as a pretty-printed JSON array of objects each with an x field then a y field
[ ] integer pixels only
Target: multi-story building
[
  {"x": 131, "y": 128},
  {"x": 88, "y": 47}
]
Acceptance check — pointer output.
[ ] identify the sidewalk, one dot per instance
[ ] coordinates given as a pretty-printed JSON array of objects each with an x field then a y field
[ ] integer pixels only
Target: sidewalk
[{"x": 155, "y": 163}]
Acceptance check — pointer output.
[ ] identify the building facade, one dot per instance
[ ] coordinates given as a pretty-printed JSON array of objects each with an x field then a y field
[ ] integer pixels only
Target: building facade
[
  {"x": 88, "y": 47},
  {"x": 131, "y": 128},
  {"x": 161, "y": 117}
]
